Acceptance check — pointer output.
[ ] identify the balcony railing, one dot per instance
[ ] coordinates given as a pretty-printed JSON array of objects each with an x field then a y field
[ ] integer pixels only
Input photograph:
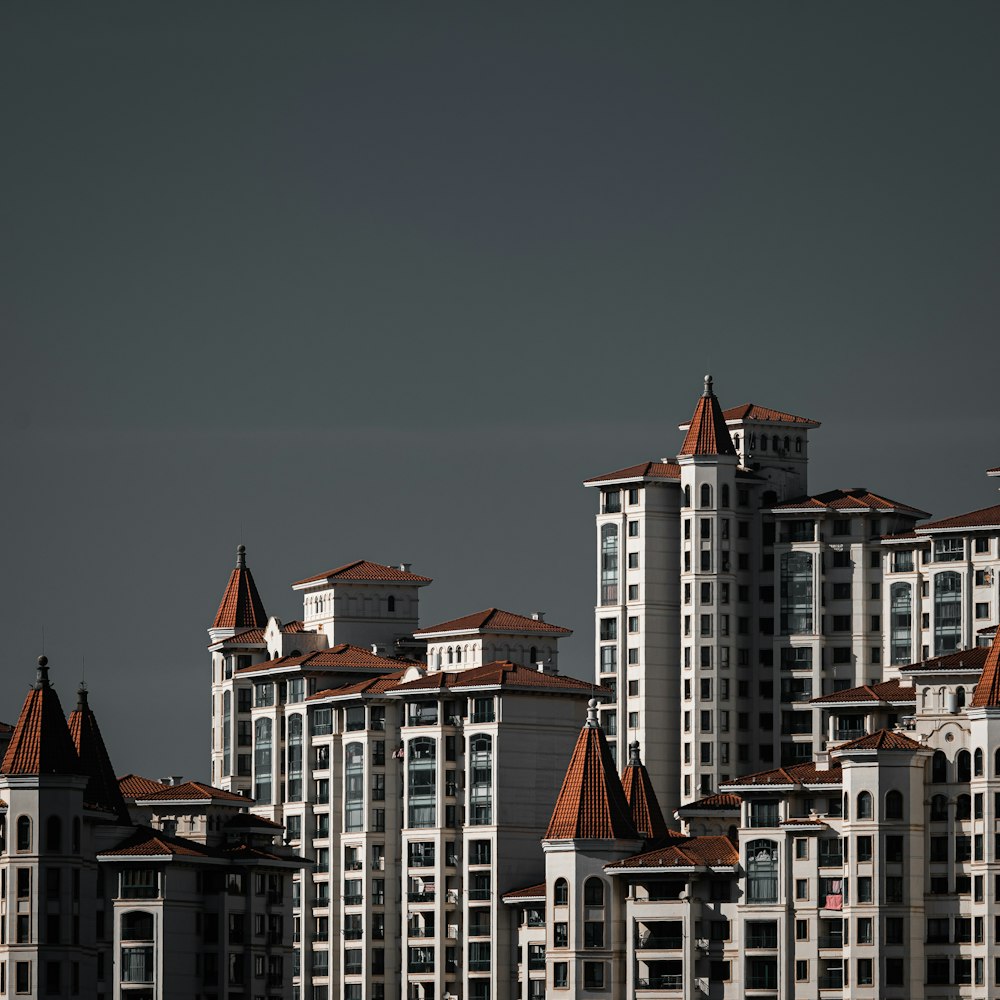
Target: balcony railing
[
  {"x": 831, "y": 940},
  {"x": 423, "y": 896},
  {"x": 666, "y": 941},
  {"x": 831, "y": 981},
  {"x": 661, "y": 983}
]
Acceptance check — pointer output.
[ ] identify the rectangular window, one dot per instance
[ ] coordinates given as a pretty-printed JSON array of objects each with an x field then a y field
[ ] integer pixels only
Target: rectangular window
[{"x": 633, "y": 529}]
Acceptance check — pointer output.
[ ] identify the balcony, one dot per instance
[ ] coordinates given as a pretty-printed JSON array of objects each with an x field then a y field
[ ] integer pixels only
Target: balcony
[
  {"x": 353, "y": 866},
  {"x": 479, "y": 894},
  {"x": 660, "y": 983},
  {"x": 831, "y": 981},
  {"x": 422, "y": 896},
  {"x": 831, "y": 940},
  {"x": 667, "y": 942},
  {"x": 851, "y": 733},
  {"x": 354, "y": 899}
]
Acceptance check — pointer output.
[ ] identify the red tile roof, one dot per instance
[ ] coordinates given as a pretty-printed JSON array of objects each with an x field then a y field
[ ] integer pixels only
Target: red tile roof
[
  {"x": 135, "y": 786},
  {"x": 495, "y": 620},
  {"x": 363, "y": 571},
  {"x": 987, "y": 517},
  {"x": 532, "y": 892},
  {"x": 342, "y": 656},
  {"x": 891, "y": 692},
  {"x": 102, "y": 787},
  {"x": 795, "y": 774},
  {"x": 591, "y": 803},
  {"x": 858, "y": 499},
  {"x": 987, "y": 693},
  {"x": 255, "y": 636},
  {"x": 645, "y": 809},
  {"x": 191, "y": 791},
  {"x": 884, "y": 739},
  {"x": 765, "y": 414},
  {"x": 41, "y": 743},
  {"x": 500, "y": 673},
  {"x": 707, "y": 433},
  {"x": 721, "y": 801},
  {"x": 241, "y": 606},
  {"x": 973, "y": 658},
  {"x": 146, "y": 842},
  {"x": 645, "y": 470},
  {"x": 373, "y": 686},
  {"x": 993, "y": 472},
  {"x": 693, "y": 852}
]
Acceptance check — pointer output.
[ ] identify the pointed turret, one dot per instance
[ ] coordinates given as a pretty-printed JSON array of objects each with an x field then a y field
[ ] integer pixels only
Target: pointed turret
[
  {"x": 987, "y": 693},
  {"x": 707, "y": 433},
  {"x": 591, "y": 803},
  {"x": 241, "y": 606},
  {"x": 41, "y": 743},
  {"x": 102, "y": 786},
  {"x": 645, "y": 810}
]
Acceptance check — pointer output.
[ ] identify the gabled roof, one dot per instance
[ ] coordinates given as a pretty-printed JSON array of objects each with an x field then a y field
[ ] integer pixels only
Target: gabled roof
[
  {"x": 692, "y": 852},
  {"x": 884, "y": 739},
  {"x": 255, "y": 636},
  {"x": 193, "y": 791},
  {"x": 795, "y": 774},
  {"x": 241, "y": 606},
  {"x": 363, "y": 571},
  {"x": 765, "y": 414},
  {"x": 987, "y": 693},
  {"x": 986, "y": 517},
  {"x": 498, "y": 674},
  {"x": 372, "y": 685},
  {"x": 494, "y": 620},
  {"x": 532, "y": 892},
  {"x": 146, "y": 842},
  {"x": 102, "y": 787},
  {"x": 719, "y": 802},
  {"x": 41, "y": 742},
  {"x": 970, "y": 659},
  {"x": 645, "y": 809},
  {"x": 888, "y": 692},
  {"x": 135, "y": 786},
  {"x": 707, "y": 433},
  {"x": 855, "y": 500},
  {"x": 342, "y": 656},
  {"x": 591, "y": 803},
  {"x": 643, "y": 471}
]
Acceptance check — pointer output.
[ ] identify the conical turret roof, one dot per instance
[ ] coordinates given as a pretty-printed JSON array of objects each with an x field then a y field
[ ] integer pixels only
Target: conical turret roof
[
  {"x": 645, "y": 809},
  {"x": 241, "y": 606},
  {"x": 102, "y": 787},
  {"x": 591, "y": 803},
  {"x": 987, "y": 693},
  {"x": 707, "y": 433},
  {"x": 41, "y": 743}
]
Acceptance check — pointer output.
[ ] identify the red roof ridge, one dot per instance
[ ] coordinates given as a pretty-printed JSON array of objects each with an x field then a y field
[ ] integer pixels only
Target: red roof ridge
[
  {"x": 135, "y": 786},
  {"x": 193, "y": 790},
  {"x": 591, "y": 804},
  {"x": 362, "y": 570},
  {"x": 241, "y": 607},
  {"x": 753, "y": 411},
  {"x": 41, "y": 743},
  {"x": 987, "y": 693},
  {"x": 498, "y": 619},
  {"x": 985, "y": 517},
  {"x": 644, "y": 470},
  {"x": 708, "y": 434},
  {"x": 882, "y": 739}
]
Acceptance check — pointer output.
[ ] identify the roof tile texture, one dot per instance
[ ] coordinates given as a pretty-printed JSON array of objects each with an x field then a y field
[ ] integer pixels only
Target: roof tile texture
[
  {"x": 102, "y": 787},
  {"x": 241, "y": 606},
  {"x": 363, "y": 571},
  {"x": 500, "y": 673},
  {"x": 887, "y": 691},
  {"x": 855, "y": 499},
  {"x": 884, "y": 739},
  {"x": 688, "y": 853},
  {"x": 493, "y": 619},
  {"x": 707, "y": 433},
  {"x": 41, "y": 743},
  {"x": 987, "y": 693},
  {"x": 987, "y": 517},
  {"x": 643, "y": 805},
  {"x": 646, "y": 470}
]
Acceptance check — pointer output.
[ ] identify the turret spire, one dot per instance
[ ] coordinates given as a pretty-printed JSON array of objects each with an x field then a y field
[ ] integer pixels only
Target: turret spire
[
  {"x": 241, "y": 606},
  {"x": 707, "y": 433}
]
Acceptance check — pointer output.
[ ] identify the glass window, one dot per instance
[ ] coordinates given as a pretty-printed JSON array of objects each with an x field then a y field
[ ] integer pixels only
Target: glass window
[
  {"x": 481, "y": 780},
  {"x": 796, "y": 593},
  {"x": 609, "y": 564},
  {"x": 422, "y": 782},
  {"x": 901, "y": 623},
  {"x": 262, "y": 761},
  {"x": 947, "y": 613},
  {"x": 762, "y": 871}
]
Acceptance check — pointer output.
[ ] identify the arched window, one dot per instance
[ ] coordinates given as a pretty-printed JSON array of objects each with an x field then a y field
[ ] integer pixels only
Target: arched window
[
  {"x": 798, "y": 444},
  {"x": 901, "y": 623},
  {"x": 977, "y": 762},
  {"x": 960, "y": 697},
  {"x": 736, "y": 441},
  {"x": 963, "y": 766},
  {"x": 458, "y": 654},
  {"x": 788, "y": 444},
  {"x": 775, "y": 443},
  {"x": 939, "y": 768},
  {"x": 865, "y": 805},
  {"x": 939, "y": 807},
  {"x": 533, "y": 655},
  {"x": 609, "y": 564},
  {"x": 3, "y": 834},
  {"x": 390, "y": 604},
  {"x": 53, "y": 834},
  {"x": 894, "y": 805},
  {"x": 295, "y": 758},
  {"x": 136, "y": 925},
  {"x": 451, "y": 655},
  {"x": 947, "y": 613},
  {"x": 354, "y": 787},
  {"x": 227, "y": 732},
  {"x": 963, "y": 807},
  {"x": 706, "y": 495},
  {"x": 560, "y": 894},
  {"x": 763, "y": 442},
  {"x": 847, "y": 807},
  {"x": 262, "y": 761},
  {"x": 23, "y": 833},
  {"x": 481, "y": 780},
  {"x": 996, "y": 763},
  {"x": 593, "y": 892},
  {"x": 687, "y": 496},
  {"x": 725, "y": 494},
  {"x": 762, "y": 871}
]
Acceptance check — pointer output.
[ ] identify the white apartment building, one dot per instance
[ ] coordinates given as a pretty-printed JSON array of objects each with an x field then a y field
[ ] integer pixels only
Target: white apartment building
[{"x": 728, "y": 597}]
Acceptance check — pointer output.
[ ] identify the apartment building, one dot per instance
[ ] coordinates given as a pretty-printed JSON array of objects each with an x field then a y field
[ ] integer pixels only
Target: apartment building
[
  {"x": 871, "y": 871},
  {"x": 729, "y": 597}
]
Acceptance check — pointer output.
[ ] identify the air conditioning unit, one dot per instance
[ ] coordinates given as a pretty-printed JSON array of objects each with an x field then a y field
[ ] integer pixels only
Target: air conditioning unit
[
  {"x": 702, "y": 944},
  {"x": 453, "y": 930}
]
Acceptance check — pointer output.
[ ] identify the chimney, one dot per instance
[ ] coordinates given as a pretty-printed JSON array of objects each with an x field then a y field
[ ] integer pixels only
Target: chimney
[
  {"x": 547, "y": 667},
  {"x": 405, "y": 567},
  {"x": 539, "y": 616},
  {"x": 172, "y": 780}
]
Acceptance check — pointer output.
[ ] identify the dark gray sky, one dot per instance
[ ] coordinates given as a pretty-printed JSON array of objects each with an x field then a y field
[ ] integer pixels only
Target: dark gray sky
[{"x": 388, "y": 281}]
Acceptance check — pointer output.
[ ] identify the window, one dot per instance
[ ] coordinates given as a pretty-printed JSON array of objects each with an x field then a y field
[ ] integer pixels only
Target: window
[
  {"x": 865, "y": 805},
  {"x": 633, "y": 529},
  {"x": 947, "y": 612},
  {"x": 593, "y": 975},
  {"x": 609, "y": 564},
  {"x": 481, "y": 780},
  {"x": 865, "y": 974},
  {"x": 633, "y": 560},
  {"x": 762, "y": 871},
  {"x": 560, "y": 975},
  {"x": 23, "y": 834},
  {"x": 939, "y": 767},
  {"x": 560, "y": 894},
  {"x": 422, "y": 782}
]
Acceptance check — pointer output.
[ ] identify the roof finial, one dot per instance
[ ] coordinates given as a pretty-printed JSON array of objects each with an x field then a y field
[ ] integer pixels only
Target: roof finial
[
  {"x": 708, "y": 386},
  {"x": 633, "y": 754},
  {"x": 42, "y": 674},
  {"x": 81, "y": 696},
  {"x": 241, "y": 556},
  {"x": 592, "y": 714}
]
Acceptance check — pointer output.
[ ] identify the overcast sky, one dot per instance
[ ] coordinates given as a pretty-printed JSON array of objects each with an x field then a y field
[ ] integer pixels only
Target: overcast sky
[{"x": 389, "y": 281}]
